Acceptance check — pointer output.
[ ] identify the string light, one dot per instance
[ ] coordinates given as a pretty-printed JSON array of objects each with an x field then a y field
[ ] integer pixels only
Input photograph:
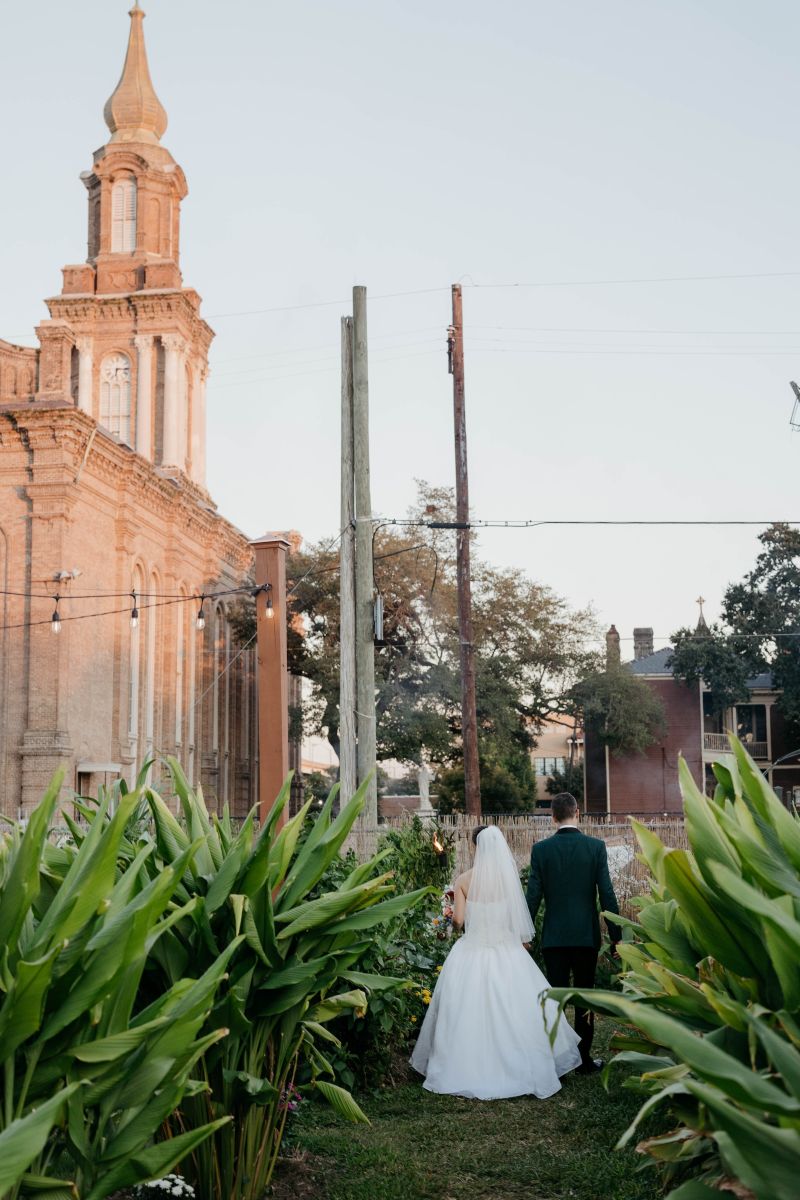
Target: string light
[
  {"x": 55, "y": 620},
  {"x": 270, "y": 612},
  {"x": 201, "y": 616},
  {"x": 134, "y": 612}
]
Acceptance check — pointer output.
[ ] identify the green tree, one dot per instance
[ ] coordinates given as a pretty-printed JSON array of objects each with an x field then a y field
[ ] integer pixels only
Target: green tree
[
  {"x": 759, "y": 631},
  {"x": 621, "y": 710},
  {"x": 530, "y": 649},
  {"x": 568, "y": 780}
]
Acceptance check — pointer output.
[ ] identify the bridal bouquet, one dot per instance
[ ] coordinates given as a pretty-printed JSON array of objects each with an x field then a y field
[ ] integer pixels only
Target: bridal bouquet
[{"x": 444, "y": 923}]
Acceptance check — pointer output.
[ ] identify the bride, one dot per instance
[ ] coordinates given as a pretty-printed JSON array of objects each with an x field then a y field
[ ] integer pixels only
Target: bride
[{"x": 485, "y": 1035}]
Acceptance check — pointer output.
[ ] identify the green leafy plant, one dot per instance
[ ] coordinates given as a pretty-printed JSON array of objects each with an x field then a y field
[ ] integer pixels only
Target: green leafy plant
[
  {"x": 421, "y": 853},
  {"x": 711, "y": 991},
  {"x": 293, "y": 968},
  {"x": 87, "y": 1079}
]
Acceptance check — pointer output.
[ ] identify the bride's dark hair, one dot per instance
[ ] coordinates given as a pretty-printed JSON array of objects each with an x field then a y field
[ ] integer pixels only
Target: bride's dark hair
[{"x": 478, "y": 829}]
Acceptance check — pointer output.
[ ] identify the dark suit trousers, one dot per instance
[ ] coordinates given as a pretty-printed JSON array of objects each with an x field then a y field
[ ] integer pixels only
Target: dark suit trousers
[{"x": 581, "y": 963}]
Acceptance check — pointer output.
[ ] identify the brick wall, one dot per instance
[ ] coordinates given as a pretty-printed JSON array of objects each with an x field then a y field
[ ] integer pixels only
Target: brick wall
[
  {"x": 70, "y": 496},
  {"x": 649, "y": 782}
]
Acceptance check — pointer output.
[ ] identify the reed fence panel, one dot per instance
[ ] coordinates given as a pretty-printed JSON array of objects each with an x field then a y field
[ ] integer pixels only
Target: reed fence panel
[{"x": 629, "y": 875}]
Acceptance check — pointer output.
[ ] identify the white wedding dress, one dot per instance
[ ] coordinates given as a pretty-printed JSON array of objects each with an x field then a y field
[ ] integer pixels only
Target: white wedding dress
[{"x": 485, "y": 1035}]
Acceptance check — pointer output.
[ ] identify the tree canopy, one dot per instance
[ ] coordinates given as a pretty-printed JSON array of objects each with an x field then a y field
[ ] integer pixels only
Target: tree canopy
[
  {"x": 621, "y": 710},
  {"x": 759, "y": 631},
  {"x": 530, "y": 649}
]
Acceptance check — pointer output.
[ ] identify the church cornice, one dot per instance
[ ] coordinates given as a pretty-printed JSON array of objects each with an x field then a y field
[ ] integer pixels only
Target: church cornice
[
  {"x": 151, "y": 307},
  {"x": 113, "y": 467}
]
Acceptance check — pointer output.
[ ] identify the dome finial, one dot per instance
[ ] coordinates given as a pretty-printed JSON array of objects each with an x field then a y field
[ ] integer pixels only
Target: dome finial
[{"x": 134, "y": 112}]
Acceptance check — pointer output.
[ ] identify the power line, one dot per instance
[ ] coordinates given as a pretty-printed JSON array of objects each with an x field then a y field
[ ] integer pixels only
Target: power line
[
  {"x": 637, "y": 280},
  {"x": 534, "y": 524},
  {"x": 690, "y": 332},
  {"x": 552, "y": 283},
  {"x": 256, "y": 312}
]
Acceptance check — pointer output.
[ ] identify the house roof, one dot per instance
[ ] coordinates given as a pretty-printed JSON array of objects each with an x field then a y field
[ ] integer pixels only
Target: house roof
[
  {"x": 652, "y": 664},
  {"x": 658, "y": 663}
]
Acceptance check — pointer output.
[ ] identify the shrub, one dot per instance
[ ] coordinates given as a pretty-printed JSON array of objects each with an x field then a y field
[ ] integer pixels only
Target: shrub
[
  {"x": 88, "y": 1079},
  {"x": 711, "y": 991},
  {"x": 412, "y": 853},
  {"x": 290, "y": 949}
]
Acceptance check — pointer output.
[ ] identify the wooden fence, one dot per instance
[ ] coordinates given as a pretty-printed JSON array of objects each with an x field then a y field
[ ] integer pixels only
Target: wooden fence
[{"x": 629, "y": 875}]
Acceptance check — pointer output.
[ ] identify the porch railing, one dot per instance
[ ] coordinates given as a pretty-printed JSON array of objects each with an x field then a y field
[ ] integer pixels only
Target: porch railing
[{"x": 717, "y": 743}]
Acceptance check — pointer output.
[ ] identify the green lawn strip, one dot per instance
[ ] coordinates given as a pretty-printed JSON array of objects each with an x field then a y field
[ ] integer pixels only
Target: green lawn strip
[{"x": 425, "y": 1147}]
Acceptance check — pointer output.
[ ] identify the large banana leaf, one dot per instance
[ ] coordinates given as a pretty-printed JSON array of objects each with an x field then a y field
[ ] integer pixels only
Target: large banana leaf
[{"x": 712, "y": 979}]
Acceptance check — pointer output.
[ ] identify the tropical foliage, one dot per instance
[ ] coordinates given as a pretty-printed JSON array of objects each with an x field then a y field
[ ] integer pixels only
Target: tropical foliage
[
  {"x": 160, "y": 993},
  {"x": 711, "y": 992},
  {"x": 294, "y": 958},
  {"x": 88, "y": 1075}
]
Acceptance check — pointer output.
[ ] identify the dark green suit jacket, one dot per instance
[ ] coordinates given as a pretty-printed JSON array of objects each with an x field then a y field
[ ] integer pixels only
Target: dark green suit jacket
[{"x": 569, "y": 871}]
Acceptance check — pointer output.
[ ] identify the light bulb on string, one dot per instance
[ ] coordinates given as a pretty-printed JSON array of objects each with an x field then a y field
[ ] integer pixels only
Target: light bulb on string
[
  {"x": 55, "y": 620},
  {"x": 270, "y": 611},
  {"x": 201, "y": 616},
  {"x": 134, "y": 612}
]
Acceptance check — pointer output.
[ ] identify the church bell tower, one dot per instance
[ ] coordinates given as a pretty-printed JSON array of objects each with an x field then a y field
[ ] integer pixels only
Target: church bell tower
[{"x": 126, "y": 342}]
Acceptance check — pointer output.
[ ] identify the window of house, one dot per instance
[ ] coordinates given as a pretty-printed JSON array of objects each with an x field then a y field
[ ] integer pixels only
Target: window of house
[
  {"x": 751, "y": 722},
  {"x": 548, "y": 766},
  {"x": 115, "y": 396},
  {"x": 123, "y": 216}
]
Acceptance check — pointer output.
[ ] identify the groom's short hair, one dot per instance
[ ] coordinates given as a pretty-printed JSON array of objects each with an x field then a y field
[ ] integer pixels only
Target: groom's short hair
[{"x": 564, "y": 806}]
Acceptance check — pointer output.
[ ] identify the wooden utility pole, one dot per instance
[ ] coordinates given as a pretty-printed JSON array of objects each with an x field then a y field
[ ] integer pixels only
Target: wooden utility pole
[
  {"x": 348, "y": 768},
  {"x": 273, "y": 670},
  {"x": 364, "y": 582},
  {"x": 469, "y": 722}
]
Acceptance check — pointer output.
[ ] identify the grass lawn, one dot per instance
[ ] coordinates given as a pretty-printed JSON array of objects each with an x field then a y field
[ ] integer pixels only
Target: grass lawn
[{"x": 425, "y": 1147}]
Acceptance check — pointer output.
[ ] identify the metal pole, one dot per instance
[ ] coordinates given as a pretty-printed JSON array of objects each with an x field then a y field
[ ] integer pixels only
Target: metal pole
[
  {"x": 348, "y": 772},
  {"x": 364, "y": 585},
  {"x": 469, "y": 723}
]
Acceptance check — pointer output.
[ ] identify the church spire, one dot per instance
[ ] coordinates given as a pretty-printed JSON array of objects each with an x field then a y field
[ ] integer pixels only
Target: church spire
[{"x": 134, "y": 112}]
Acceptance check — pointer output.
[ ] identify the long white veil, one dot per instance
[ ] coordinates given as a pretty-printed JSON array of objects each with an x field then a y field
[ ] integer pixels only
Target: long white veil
[{"x": 496, "y": 905}]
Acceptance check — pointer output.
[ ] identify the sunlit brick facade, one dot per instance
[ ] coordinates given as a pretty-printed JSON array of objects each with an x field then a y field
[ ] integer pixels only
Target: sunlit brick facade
[{"x": 102, "y": 483}]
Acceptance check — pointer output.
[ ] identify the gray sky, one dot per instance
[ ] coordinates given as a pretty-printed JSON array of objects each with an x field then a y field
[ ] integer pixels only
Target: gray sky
[{"x": 408, "y": 145}]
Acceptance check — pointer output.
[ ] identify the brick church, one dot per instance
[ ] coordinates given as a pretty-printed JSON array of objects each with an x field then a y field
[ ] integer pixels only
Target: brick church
[{"x": 107, "y": 531}]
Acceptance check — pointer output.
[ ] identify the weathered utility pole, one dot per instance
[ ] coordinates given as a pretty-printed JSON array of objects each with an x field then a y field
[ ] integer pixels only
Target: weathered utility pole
[
  {"x": 348, "y": 768},
  {"x": 469, "y": 722},
  {"x": 273, "y": 670},
  {"x": 364, "y": 582}
]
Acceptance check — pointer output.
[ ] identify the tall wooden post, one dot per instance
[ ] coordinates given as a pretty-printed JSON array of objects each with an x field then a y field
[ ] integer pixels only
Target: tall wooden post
[
  {"x": 469, "y": 724},
  {"x": 364, "y": 584},
  {"x": 273, "y": 671},
  {"x": 348, "y": 768}
]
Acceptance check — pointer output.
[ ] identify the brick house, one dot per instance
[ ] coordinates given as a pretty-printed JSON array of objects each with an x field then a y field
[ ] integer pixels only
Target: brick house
[
  {"x": 648, "y": 783},
  {"x": 103, "y": 503}
]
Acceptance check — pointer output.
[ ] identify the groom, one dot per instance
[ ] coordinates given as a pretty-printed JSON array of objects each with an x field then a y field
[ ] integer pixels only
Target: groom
[{"x": 569, "y": 871}]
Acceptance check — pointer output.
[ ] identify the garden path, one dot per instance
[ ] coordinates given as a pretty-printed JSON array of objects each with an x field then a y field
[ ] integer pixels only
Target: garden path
[{"x": 425, "y": 1147}]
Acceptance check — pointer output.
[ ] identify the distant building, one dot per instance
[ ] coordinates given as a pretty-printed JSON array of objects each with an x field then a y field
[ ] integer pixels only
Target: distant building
[
  {"x": 558, "y": 743},
  {"x": 648, "y": 783},
  {"x": 103, "y": 503}
]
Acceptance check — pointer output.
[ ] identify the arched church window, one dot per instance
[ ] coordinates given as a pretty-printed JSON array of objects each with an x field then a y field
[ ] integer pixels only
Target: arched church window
[
  {"x": 115, "y": 396},
  {"x": 123, "y": 216}
]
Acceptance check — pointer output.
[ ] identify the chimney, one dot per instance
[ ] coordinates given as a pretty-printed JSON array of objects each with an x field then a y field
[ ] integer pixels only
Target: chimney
[
  {"x": 612, "y": 648},
  {"x": 642, "y": 642}
]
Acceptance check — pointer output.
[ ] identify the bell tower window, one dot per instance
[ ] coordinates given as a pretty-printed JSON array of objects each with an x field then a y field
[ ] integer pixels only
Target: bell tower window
[
  {"x": 123, "y": 216},
  {"x": 115, "y": 396}
]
